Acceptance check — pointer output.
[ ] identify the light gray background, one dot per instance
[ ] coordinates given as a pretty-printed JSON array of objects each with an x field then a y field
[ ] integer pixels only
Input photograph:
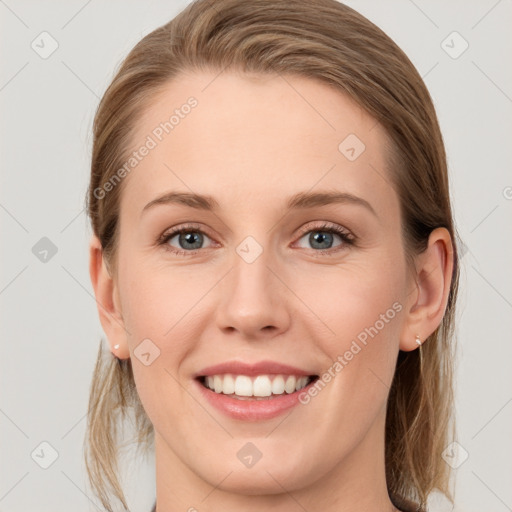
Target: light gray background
[{"x": 50, "y": 330}]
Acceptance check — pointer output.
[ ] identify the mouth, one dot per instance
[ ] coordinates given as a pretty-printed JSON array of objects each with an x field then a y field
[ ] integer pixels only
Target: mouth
[
  {"x": 253, "y": 391},
  {"x": 256, "y": 387}
]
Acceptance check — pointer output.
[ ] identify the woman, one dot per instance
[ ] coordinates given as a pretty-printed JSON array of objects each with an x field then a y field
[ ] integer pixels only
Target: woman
[{"x": 274, "y": 263}]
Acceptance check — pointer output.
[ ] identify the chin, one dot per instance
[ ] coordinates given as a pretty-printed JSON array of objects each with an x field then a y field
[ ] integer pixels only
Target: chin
[{"x": 257, "y": 482}]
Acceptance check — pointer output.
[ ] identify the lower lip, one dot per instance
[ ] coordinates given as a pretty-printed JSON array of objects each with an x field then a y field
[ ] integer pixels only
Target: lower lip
[{"x": 252, "y": 410}]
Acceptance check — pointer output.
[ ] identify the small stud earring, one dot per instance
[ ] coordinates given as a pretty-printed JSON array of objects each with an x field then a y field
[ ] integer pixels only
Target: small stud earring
[
  {"x": 116, "y": 346},
  {"x": 418, "y": 341}
]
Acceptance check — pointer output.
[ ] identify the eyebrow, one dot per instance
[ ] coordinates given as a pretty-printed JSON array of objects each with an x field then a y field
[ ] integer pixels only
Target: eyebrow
[{"x": 301, "y": 200}]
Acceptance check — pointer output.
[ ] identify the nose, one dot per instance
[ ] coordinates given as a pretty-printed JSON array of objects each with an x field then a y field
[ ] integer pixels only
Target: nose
[{"x": 255, "y": 300}]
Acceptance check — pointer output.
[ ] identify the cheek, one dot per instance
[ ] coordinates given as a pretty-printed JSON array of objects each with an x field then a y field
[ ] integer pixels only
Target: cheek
[
  {"x": 164, "y": 318},
  {"x": 361, "y": 317},
  {"x": 350, "y": 302},
  {"x": 158, "y": 301},
  {"x": 161, "y": 312}
]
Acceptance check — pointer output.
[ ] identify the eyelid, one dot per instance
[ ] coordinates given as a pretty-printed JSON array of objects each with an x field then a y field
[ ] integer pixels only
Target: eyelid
[
  {"x": 325, "y": 225},
  {"x": 187, "y": 226}
]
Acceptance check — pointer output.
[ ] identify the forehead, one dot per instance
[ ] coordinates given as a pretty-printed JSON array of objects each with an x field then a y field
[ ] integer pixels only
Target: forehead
[{"x": 237, "y": 135}]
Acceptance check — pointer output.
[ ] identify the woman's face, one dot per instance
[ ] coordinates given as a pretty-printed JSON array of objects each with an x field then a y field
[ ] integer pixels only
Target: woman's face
[{"x": 257, "y": 280}]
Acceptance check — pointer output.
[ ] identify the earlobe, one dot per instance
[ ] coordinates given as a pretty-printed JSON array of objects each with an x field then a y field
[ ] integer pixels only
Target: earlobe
[
  {"x": 109, "y": 308},
  {"x": 429, "y": 297}
]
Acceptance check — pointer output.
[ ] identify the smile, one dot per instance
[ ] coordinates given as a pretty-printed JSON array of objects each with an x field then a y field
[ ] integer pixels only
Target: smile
[
  {"x": 259, "y": 387},
  {"x": 256, "y": 398}
]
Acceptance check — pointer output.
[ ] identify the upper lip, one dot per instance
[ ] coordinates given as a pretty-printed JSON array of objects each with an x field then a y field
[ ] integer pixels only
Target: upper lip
[{"x": 259, "y": 368}]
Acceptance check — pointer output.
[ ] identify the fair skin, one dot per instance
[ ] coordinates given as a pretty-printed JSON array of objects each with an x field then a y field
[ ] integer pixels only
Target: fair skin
[{"x": 251, "y": 143}]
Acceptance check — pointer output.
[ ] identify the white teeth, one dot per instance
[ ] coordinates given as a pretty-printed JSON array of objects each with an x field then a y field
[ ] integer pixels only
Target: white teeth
[
  {"x": 228, "y": 386},
  {"x": 243, "y": 386},
  {"x": 302, "y": 383},
  {"x": 262, "y": 386},
  {"x": 259, "y": 386},
  {"x": 290, "y": 384},
  {"x": 217, "y": 384},
  {"x": 278, "y": 385}
]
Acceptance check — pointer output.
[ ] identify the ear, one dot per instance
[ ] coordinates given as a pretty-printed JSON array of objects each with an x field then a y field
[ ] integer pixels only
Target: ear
[
  {"x": 428, "y": 299},
  {"x": 107, "y": 300}
]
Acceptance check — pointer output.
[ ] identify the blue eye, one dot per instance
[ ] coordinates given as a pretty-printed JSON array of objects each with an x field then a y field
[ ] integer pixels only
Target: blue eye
[
  {"x": 190, "y": 239},
  {"x": 322, "y": 238}
]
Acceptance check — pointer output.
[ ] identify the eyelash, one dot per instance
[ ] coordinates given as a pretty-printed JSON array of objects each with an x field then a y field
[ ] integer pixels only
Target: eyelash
[{"x": 346, "y": 237}]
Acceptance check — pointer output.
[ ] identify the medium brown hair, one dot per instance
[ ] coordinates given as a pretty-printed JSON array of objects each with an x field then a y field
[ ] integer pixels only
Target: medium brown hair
[{"x": 329, "y": 42}]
